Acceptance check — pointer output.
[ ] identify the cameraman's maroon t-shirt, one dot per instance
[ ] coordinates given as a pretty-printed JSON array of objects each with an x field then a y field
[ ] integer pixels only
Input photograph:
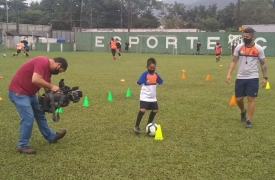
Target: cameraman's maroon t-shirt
[{"x": 21, "y": 82}]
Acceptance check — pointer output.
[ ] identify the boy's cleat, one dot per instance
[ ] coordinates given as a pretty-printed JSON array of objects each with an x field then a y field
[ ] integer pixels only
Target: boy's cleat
[
  {"x": 243, "y": 116},
  {"x": 136, "y": 130},
  {"x": 248, "y": 124}
]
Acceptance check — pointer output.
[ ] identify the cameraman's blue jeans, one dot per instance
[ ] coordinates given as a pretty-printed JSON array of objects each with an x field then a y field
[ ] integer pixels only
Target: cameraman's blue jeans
[{"x": 28, "y": 109}]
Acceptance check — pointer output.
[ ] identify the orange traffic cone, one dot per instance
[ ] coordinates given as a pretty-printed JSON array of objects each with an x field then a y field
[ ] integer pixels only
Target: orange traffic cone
[
  {"x": 233, "y": 101},
  {"x": 183, "y": 76},
  {"x": 207, "y": 77}
]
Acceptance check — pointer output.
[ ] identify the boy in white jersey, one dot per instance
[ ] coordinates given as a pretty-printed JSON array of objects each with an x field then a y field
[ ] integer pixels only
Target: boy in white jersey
[
  {"x": 148, "y": 101},
  {"x": 249, "y": 54}
]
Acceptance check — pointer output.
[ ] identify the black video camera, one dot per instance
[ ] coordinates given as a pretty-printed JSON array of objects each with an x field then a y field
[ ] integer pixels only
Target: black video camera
[{"x": 49, "y": 101}]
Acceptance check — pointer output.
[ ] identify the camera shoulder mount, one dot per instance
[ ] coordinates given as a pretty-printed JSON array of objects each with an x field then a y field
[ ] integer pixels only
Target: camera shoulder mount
[{"x": 56, "y": 116}]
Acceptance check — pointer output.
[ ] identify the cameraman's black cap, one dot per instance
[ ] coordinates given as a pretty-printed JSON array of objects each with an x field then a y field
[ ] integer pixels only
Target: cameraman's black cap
[{"x": 62, "y": 61}]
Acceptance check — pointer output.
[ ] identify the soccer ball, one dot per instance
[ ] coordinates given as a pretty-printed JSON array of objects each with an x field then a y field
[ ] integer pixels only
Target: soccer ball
[
  {"x": 151, "y": 129},
  {"x": 4, "y": 55}
]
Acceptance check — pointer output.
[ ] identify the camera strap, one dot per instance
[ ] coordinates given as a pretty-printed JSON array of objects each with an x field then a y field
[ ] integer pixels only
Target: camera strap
[{"x": 52, "y": 103}]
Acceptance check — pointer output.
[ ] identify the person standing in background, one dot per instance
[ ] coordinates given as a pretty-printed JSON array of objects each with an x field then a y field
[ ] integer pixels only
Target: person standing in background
[{"x": 198, "y": 48}]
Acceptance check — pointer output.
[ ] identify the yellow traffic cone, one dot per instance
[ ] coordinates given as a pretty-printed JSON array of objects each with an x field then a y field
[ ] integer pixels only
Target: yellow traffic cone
[
  {"x": 267, "y": 85},
  {"x": 158, "y": 135}
]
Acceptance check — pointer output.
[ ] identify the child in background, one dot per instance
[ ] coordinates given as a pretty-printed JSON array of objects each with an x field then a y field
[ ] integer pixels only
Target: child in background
[
  {"x": 27, "y": 49},
  {"x": 218, "y": 51},
  {"x": 118, "y": 47},
  {"x": 19, "y": 47}
]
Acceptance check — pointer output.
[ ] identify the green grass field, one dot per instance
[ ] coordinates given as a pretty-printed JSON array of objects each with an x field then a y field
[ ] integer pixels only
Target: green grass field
[{"x": 203, "y": 135}]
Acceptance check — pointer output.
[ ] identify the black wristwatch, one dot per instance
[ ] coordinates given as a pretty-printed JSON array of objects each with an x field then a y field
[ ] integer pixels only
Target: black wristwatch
[{"x": 265, "y": 78}]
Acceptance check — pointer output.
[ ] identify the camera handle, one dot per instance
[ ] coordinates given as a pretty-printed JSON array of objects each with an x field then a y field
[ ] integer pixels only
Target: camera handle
[
  {"x": 56, "y": 116},
  {"x": 52, "y": 103}
]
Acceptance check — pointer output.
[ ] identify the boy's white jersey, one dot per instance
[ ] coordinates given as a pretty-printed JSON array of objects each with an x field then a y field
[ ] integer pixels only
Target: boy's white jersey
[{"x": 149, "y": 83}]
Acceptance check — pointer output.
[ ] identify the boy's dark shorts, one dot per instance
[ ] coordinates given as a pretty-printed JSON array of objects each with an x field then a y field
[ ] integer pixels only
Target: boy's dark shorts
[
  {"x": 246, "y": 87},
  {"x": 149, "y": 105},
  {"x": 218, "y": 54},
  {"x": 113, "y": 51}
]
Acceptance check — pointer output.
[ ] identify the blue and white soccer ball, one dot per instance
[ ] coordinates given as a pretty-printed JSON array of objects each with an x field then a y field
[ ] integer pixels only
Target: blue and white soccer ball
[
  {"x": 4, "y": 55},
  {"x": 151, "y": 129}
]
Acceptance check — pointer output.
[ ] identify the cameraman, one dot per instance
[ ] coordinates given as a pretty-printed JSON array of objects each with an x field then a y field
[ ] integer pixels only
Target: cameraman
[{"x": 27, "y": 81}]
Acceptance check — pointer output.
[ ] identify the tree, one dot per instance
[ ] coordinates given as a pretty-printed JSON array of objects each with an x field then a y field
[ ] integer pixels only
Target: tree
[
  {"x": 64, "y": 14},
  {"x": 226, "y": 16},
  {"x": 174, "y": 23},
  {"x": 15, "y": 8},
  {"x": 34, "y": 17},
  {"x": 173, "y": 15},
  {"x": 146, "y": 20},
  {"x": 209, "y": 24},
  {"x": 177, "y": 10},
  {"x": 272, "y": 3},
  {"x": 255, "y": 12},
  {"x": 212, "y": 11}
]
